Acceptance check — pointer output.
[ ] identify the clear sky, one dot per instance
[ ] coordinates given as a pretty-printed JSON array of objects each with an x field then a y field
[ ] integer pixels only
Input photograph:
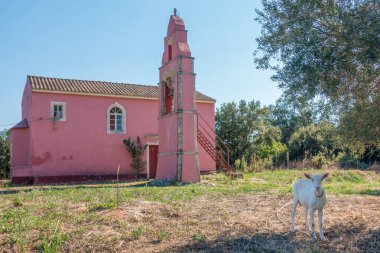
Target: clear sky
[{"x": 122, "y": 41}]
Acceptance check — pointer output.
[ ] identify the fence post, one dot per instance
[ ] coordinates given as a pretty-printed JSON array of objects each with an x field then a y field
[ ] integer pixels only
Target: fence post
[
  {"x": 287, "y": 160},
  {"x": 117, "y": 187}
]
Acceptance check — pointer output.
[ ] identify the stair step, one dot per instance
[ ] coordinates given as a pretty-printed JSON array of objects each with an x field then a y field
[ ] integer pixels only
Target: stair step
[{"x": 216, "y": 155}]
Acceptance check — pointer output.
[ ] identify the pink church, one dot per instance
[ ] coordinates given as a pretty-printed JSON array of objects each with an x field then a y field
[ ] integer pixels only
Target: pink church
[{"x": 73, "y": 130}]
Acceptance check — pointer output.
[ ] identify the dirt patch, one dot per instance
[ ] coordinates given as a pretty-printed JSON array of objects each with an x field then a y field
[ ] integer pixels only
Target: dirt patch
[
  {"x": 138, "y": 211},
  {"x": 258, "y": 180},
  {"x": 245, "y": 223}
]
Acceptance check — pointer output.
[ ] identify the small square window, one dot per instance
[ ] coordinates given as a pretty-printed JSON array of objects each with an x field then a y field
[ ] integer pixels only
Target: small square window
[{"x": 58, "y": 111}]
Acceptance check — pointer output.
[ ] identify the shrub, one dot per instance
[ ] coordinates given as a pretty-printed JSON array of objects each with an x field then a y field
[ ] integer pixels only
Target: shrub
[
  {"x": 314, "y": 139},
  {"x": 17, "y": 202},
  {"x": 318, "y": 161},
  {"x": 237, "y": 164},
  {"x": 243, "y": 164},
  {"x": 348, "y": 162},
  {"x": 261, "y": 164},
  {"x": 136, "y": 150},
  {"x": 4, "y": 154}
]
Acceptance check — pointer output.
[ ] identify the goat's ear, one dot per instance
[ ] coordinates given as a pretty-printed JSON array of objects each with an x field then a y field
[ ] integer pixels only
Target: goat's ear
[
  {"x": 325, "y": 175},
  {"x": 307, "y": 176}
]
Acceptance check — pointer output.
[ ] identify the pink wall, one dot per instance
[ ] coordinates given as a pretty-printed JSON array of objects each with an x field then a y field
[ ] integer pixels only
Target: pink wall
[
  {"x": 19, "y": 138},
  {"x": 207, "y": 110},
  {"x": 26, "y": 102},
  {"x": 81, "y": 145}
]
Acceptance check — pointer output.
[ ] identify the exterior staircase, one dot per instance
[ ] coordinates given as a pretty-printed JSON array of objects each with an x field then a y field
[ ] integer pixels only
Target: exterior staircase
[{"x": 215, "y": 147}]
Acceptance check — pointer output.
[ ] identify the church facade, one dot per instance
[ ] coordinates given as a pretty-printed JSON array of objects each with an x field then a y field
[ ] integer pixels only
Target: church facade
[{"x": 73, "y": 130}]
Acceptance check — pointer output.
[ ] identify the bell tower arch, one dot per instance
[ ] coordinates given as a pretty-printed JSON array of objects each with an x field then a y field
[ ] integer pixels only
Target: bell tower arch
[{"x": 178, "y": 152}]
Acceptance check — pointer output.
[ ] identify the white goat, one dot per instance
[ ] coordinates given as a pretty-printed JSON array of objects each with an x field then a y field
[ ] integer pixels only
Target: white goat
[{"x": 310, "y": 194}]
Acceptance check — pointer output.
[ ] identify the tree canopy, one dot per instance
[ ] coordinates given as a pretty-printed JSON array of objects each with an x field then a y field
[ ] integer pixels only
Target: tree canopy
[
  {"x": 327, "y": 52},
  {"x": 246, "y": 129}
]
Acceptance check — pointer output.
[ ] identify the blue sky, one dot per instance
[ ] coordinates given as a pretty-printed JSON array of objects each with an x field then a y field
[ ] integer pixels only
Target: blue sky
[{"x": 122, "y": 41}]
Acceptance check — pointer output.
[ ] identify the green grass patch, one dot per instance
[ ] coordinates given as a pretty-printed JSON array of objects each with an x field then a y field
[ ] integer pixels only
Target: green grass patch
[{"x": 29, "y": 218}]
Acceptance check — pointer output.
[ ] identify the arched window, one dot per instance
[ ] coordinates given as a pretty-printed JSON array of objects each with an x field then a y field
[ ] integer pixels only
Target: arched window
[
  {"x": 167, "y": 96},
  {"x": 116, "y": 119}
]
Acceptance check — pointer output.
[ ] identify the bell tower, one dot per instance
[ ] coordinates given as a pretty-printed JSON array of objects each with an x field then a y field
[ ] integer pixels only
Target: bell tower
[{"x": 178, "y": 152}]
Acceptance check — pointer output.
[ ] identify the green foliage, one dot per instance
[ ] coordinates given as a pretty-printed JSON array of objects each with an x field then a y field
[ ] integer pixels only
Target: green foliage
[
  {"x": 347, "y": 161},
  {"x": 243, "y": 164},
  {"x": 318, "y": 161},
  {"x": 4, "y": 155},
  {"x": 136, "y": 150},
  {"x": 162, "y": 235},
  {"x": 199, "y": 237},
  {"x": 101, "y": 207},
  {"x": 359, "y": 126},
  {"x": 240, "y": 164},
  {"x": 268, "y": 144},
  {"x": 289, "y": 115},
  {"x": 53, "y": 244},
  {"x": 246, "y": 129},
  {"x": 237, "y": 164},
  {"x": 326, "y": 52},
  {"x": 262, "y": 164},
  {"x": 17, "y": 202},
  {"x": 137, "y": 233},
  {"x": 314, "y": 139}
]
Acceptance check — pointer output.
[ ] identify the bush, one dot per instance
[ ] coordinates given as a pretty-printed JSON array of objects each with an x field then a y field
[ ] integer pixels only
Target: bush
[
  {"x": 314, "y": 139},
  {"x": 258, "y": 165},
  {"x": 237, "y": 164},
  {"x": 243, "y": 164},
  {"x": 136, "y": 150},
  {"x": 348, "y": 162},
  {"x": 4, "y": 155},
  {"x": 318, "y": 161}
]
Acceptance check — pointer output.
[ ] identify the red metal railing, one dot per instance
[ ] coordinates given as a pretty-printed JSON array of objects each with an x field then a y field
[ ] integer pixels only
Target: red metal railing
[{"x": 213, "y": 144}]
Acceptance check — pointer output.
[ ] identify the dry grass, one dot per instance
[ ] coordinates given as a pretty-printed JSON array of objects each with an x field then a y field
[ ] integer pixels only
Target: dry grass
[
  {"x": 218, "y": 215},
  {"x": 244, "y": 223}
]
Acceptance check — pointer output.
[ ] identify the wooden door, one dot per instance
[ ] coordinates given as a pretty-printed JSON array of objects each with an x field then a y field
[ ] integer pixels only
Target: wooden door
[{"x": 153, "y": 157}]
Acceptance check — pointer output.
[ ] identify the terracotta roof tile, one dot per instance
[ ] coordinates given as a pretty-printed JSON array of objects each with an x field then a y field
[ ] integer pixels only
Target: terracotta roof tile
[{"x": 99, "y": 88}]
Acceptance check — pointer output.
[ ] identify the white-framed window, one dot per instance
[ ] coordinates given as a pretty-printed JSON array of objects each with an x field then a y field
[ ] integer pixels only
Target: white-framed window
[
  {"x": 58, "y": 111},
  {"x": 116, "y": 119}
]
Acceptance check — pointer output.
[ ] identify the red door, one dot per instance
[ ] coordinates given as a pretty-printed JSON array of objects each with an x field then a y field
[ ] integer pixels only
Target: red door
[{"x": 153, "y": 157}]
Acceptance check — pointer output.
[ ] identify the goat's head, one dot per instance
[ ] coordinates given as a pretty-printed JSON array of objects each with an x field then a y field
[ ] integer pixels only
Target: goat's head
[{"x": 317, "y": 182}]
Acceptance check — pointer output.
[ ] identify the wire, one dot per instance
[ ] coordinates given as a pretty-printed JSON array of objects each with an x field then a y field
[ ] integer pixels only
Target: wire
[{"x": 29, "y": 121}]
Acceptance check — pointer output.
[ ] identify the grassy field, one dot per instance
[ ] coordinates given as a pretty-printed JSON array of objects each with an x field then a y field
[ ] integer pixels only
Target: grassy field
[{"x": 216, "y": 215}]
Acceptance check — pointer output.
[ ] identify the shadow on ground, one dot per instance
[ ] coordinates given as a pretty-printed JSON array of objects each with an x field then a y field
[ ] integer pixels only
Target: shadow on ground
[{"x": 343, "y": 238}]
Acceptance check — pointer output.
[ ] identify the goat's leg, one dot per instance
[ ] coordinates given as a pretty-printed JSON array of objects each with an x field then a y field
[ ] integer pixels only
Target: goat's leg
[
  {"x": 320, "y": 223},
  {"x": 306, "y": 212},
  {"x": 313, "y": 238},
  {"x": 294, "y": 207}
]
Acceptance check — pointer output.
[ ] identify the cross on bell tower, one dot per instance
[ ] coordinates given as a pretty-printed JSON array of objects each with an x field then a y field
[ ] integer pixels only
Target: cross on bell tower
[{"x": 178, "y": 152}]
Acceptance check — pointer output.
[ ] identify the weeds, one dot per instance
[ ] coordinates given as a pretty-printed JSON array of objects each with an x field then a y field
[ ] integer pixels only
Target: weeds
[
  {"x": 162, "y": 235},
  {"x": 199, "y": 237},
  {"x": 101, "y": 207},
  {"x": 53, "y": 244},
  {"x": 137, "y": 233},
  {"x": 17, "y": 202}
]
